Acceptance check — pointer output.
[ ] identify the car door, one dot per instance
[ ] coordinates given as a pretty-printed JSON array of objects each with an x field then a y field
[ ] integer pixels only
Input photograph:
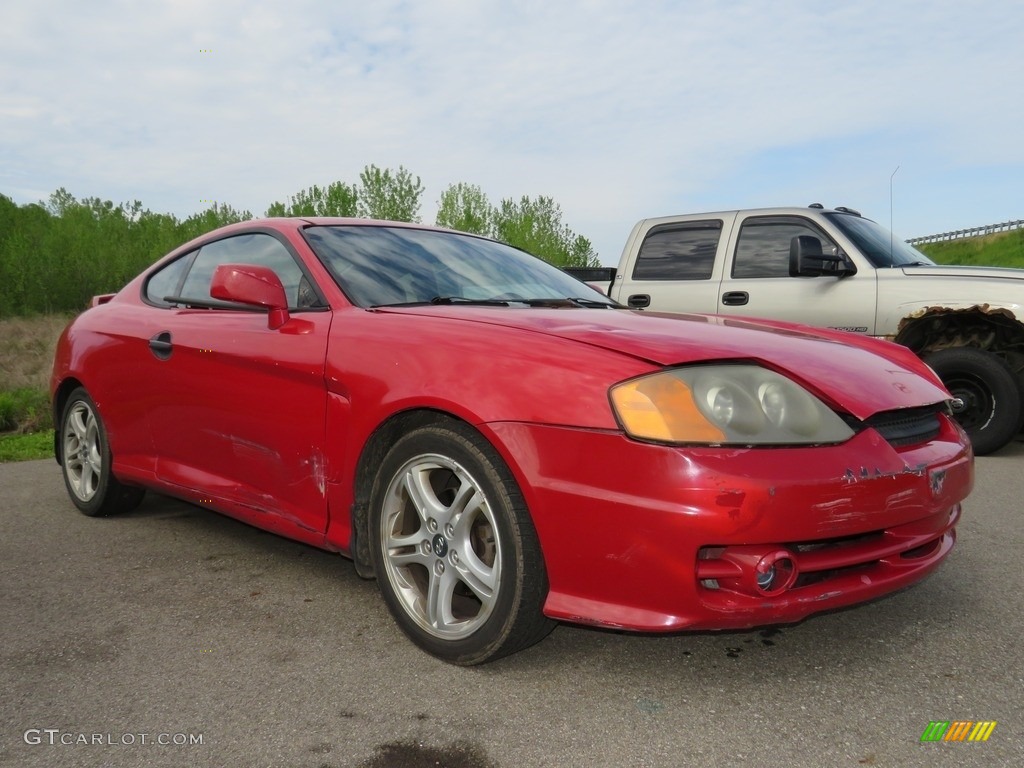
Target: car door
[
  {"x": 238, "y": 410},
  {"x": 758, "y": 284}
]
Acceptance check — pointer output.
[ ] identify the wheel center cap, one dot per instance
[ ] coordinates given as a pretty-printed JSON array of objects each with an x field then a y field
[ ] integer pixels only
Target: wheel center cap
[{"x": 439, "y": 545}]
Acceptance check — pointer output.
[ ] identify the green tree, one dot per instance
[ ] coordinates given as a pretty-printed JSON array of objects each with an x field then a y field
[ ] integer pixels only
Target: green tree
[
  {"x": 217, "y": 215},
  {"x": 393, "y": 196},
  {"x": 336, "y": 199},
  {"x": 466, "y": 208},
  {"x": 536, "y": 226}
]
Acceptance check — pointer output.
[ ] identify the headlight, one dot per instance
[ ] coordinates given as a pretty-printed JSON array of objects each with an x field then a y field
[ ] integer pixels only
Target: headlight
[{"x": 715, "y": 404}]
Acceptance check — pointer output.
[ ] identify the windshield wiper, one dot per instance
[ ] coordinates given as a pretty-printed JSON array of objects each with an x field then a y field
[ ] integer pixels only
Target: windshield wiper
[
  {"x": 606, "y": 303},
  {"x": 568, "y": 301},
  {"x": 471, "y": 302},
  {"x": 446, "y": 300}
]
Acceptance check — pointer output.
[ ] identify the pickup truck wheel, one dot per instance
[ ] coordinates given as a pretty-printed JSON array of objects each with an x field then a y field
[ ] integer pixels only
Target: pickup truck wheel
[
  {"x": 988, "y": 395},
  {"x": 454, "y": 549}
]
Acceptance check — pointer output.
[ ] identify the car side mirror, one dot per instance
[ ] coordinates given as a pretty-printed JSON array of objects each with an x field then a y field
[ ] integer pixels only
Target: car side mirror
[
  {"x": 252, "y": 285},
  {"x": 806, "y": 259}
]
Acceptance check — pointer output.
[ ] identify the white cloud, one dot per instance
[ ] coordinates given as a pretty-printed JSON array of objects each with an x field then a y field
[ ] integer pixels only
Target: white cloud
[{"x": 617, "y": 111}]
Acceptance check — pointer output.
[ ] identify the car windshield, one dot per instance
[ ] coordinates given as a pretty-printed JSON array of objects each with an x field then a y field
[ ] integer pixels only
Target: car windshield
[
  {"x": 876, "y": 242},
  {"x": 387, "y": 266}
]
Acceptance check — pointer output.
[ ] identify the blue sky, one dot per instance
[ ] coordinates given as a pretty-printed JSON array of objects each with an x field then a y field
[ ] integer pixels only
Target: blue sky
[{"x": 619, "y": 111}]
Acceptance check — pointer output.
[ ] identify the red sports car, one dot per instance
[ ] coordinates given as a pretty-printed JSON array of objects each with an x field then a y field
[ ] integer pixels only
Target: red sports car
[{"x": 501, "y": 446}]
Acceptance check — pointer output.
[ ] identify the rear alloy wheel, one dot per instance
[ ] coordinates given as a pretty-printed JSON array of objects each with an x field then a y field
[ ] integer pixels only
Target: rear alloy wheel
[
  {"x": 455, "y": 552},
  {"x": 85, "y": 460},
  {"x": 987, "y": 396}
]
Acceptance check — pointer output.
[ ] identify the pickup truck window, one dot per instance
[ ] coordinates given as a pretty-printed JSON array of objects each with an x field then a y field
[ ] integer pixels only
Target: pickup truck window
[
  {"x": 679, "y": 252},
  {"x": 762, "y": 249}
]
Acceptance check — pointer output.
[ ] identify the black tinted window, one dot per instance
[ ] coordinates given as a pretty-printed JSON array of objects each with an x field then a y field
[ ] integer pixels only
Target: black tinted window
[
  {"x": 679, "y": 252},
  {"x": 763, "y": 246}
]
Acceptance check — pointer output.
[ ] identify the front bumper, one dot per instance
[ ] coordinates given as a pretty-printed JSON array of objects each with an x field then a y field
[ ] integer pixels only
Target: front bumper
[{"x": 656, "y": 538}]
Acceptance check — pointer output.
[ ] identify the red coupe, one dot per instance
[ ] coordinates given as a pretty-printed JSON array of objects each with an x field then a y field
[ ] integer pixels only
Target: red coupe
[{"x": 501, "y": 446}]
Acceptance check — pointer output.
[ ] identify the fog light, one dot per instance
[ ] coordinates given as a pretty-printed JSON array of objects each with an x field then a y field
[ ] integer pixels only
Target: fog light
[
  {"x": 751, "y": 569},
  {"x": 775, "y": 572},
  {"x": 765, "y": 578}
]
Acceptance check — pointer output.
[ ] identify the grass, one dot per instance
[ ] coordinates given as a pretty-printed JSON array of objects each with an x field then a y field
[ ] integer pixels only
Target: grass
[
  {"x": 1002, "y": 249},
  {"x": 25, "y": 410},
  {"x": 28, "y": 447},
  {"x": 27, "y": 345}
]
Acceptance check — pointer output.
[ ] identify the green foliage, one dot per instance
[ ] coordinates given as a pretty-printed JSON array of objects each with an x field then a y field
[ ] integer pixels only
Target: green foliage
[
  {"x": 56, "y": 255},
  {"x": 37, "y": 445},
  {"x": 466, "y": 208},
  {"x": 25, "y": 410},
  {"x": 536, "y": 226},
  {"x": 1003, "y": 249},
  {"x": 391, "y": 196},
  {"x": 336, "y": 199}
]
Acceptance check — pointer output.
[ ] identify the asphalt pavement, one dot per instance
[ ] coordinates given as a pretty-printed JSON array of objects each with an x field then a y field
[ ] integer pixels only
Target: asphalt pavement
[{"x": 173, "y": 636}]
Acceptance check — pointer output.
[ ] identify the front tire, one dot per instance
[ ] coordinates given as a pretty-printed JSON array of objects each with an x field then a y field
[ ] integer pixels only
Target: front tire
[
  {"x": 455, "y": 553},
  {"x": 85, "y": 461},
  {"x": 988, "y": 394}
]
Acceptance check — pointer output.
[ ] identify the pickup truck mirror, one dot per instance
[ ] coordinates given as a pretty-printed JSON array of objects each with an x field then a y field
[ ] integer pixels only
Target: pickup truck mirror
[{"x": 806, "y": 259}]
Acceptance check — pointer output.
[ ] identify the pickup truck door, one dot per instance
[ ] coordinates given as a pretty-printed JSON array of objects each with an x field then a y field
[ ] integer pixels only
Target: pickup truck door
[
  {"x": 756, "y": 280},
  {"x": 676, "y": 267}
]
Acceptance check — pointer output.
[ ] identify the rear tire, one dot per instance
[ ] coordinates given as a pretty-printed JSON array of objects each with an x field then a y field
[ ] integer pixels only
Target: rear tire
[
  {"x": 454, "y": 549},
  {"x": 988, "y": 391},
  {"x": 85, "y": 461}
]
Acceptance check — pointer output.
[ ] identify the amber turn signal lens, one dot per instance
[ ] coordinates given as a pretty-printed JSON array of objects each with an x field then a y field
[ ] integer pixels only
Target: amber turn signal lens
[{"x": 662, "y": 408}]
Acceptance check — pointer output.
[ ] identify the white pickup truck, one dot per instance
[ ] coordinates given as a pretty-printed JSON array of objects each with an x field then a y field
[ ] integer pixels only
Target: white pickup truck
[{"x": 837, "y": 269}]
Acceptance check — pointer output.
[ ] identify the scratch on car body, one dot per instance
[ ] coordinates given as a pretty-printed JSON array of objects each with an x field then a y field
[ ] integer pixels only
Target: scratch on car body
[
  {"x": 851, "y": 476},
  {"x": 316, "y": 467}
]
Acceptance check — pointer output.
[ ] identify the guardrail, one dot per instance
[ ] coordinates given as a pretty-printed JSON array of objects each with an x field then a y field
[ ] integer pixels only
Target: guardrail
[{"x": 959, "y": 234}]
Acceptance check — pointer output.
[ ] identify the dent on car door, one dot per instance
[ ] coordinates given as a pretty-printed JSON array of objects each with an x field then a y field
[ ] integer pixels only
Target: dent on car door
[
  {"x": 758, "y": 283},
  {"x": 240, "y": 408}
]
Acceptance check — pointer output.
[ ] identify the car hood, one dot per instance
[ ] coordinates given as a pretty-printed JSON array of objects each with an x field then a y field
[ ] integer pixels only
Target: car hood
[
  {"x": 944, "y": 270},
  {"x": 863, "y": 376}
]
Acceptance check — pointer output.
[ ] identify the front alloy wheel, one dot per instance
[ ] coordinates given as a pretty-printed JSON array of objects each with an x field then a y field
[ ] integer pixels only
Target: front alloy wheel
[{"x": 455, "y": 552}]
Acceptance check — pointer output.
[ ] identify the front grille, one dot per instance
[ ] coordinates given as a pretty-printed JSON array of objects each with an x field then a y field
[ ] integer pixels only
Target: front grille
[{"x": 907, "y": 426}]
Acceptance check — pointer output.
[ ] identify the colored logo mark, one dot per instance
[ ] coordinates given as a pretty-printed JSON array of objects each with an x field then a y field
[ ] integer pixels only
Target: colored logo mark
[{"x": 958, "y": 730}]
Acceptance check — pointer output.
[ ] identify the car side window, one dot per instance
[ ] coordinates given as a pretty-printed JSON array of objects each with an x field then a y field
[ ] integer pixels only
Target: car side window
[
  {"x": 167, "y": 281},
  {"x": 762, "y": 249},
  {"x": 256, "y": 248},
  {"x": 679, "y": 251}
]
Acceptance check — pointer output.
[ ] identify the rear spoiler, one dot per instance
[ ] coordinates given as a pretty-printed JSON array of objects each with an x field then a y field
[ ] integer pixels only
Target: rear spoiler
[
  {"x": 103, "y": 298},
  {"x": 600, "y": 278}
]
